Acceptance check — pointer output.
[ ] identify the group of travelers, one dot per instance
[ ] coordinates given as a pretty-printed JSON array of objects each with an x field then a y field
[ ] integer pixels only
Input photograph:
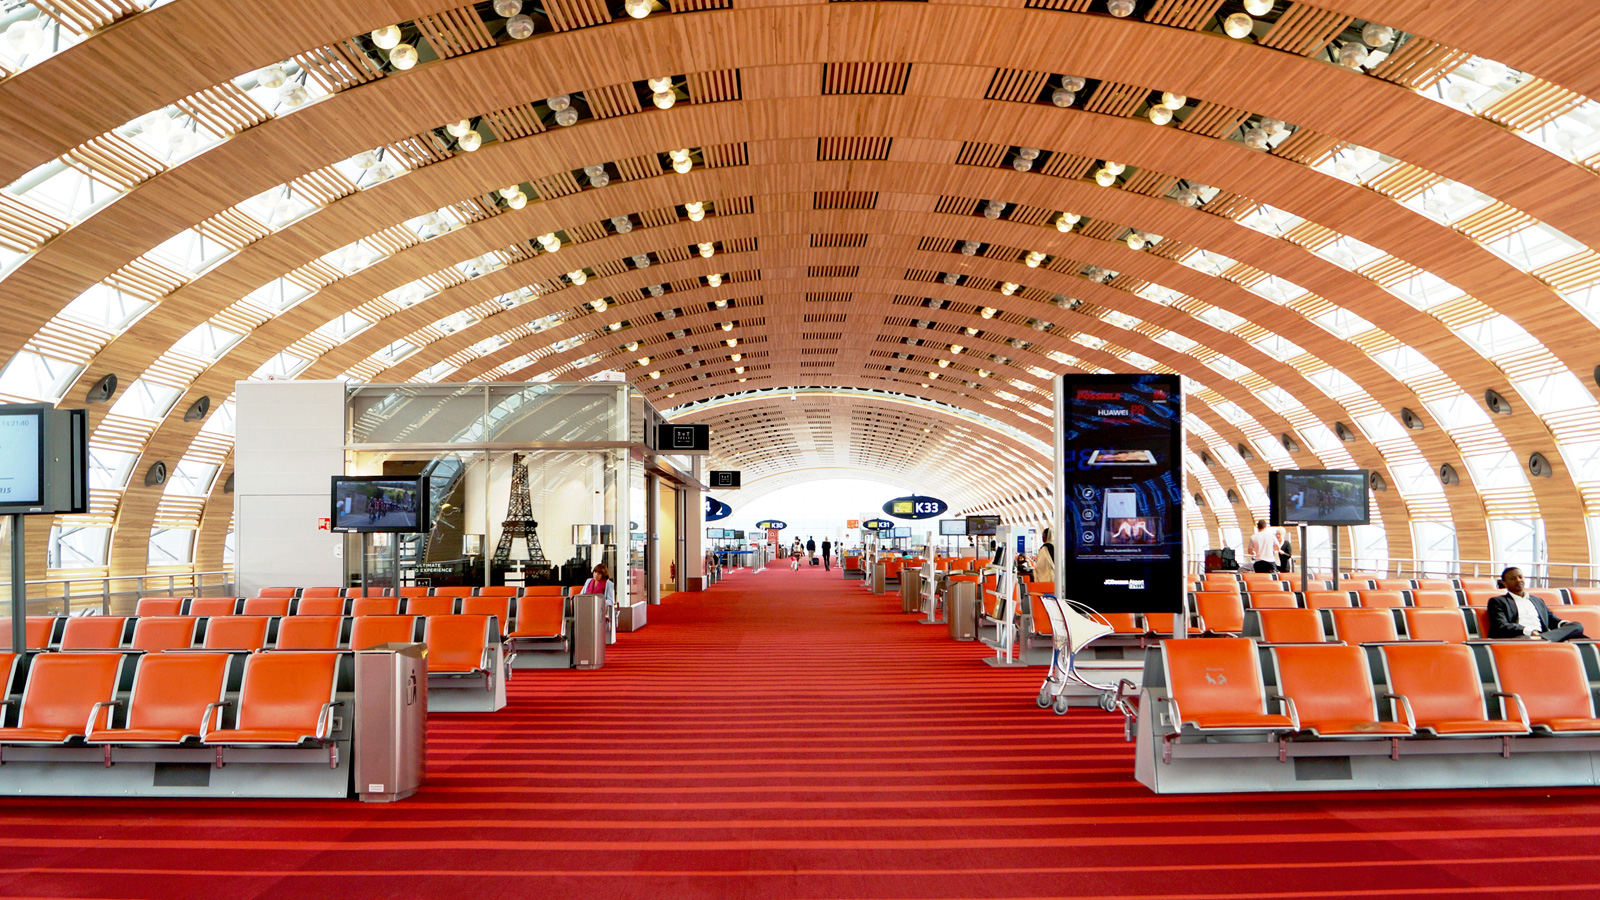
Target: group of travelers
[
  {"x": 1270, "y": 550},
  {"x": 809, "y": 551}
]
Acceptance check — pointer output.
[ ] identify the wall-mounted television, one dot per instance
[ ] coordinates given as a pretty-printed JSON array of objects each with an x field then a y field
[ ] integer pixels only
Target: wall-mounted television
[
  {"x": 44, "y": 460},
  {"x": 983, "y": 525},
  {"x": 902, "y": 531},
  {"x": 380, "y": 504},
  {"x": 714, "y": 533},
  {"x": 1318, "y": 497},
  {"x": 738, "y": 535},
  {"x": 952, "y": 527}
]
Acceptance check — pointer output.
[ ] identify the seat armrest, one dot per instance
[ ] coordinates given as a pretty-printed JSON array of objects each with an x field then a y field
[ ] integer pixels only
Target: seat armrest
[
  {"x": 325, "y": 719},
  {"x": 1522, "y": 708},
  {"x": 206, "y": 717},
  {"x": 1288, "y": 708},
  {"x": 94, "y": 714},
  {"x": 1405, "y": 706}
]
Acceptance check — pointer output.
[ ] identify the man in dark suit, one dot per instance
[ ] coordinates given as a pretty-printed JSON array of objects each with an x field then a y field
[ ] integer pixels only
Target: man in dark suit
[{"x": 1517, "y": 613}]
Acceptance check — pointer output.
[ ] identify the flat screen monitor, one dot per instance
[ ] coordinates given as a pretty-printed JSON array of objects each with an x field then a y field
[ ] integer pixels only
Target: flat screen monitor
[
  {"x": 903, "y": 531},
  {"x": 1318, "y": 497},
  {"x": 714, "y": 533},
  {"x": 22, "y": 458},
  {"x": 952, "y": 527},
  {"x": 737, "y": 535},
  {"x": 983, "y": 525},
  {"x": 380, "y": 504}
]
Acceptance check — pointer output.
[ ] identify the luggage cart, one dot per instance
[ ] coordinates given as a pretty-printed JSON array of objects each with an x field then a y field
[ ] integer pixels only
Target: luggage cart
[{"x": 1074, "y": 627}]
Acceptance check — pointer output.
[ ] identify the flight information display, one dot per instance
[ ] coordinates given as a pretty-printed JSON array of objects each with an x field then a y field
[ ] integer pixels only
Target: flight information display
[{"x": 1121, "y": 460}]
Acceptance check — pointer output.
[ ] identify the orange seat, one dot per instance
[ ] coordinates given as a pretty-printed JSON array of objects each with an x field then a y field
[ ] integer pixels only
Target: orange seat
[
  {"x": 321, "y": 592},
  {"x": 454, "y": 590},
  {"x": 1550, "y": 680},
  {"x": 1272, "y": 600},
  {"x": 236, "y": 633},
  {"x": 367, "y": 592},
  {"x": 541, "y": 618},
  {"x": 431, "y": 606},
  {"x": 1435, "y": 625},
  {"x": 1331, "y": 687},
  {"x": 37, "y": 632},
  {"x": 287, "y": 593},
  {"x": 1041, "y": 616},
  {"x": 374, "y": 606},
  {"x": 1125, "y": 623},
  {"x": 286, "y": 698},
  {"x": 213, "y": 606},
  {"x": 544, "y": 590},
  {"x": 8, "y": 671},
  {"x": 1291, "y": 626},
  {"x": 1221, "y": 611},
  {"x": 459, "y": 645},
  {"x": 1584, "y": 596},
  {"x": 499, "y": 607},
  {"x": 1265, "y": 587},
  {"x": 1441, "y": 682},
  {"x": 1477, "y": 584},
  {"x": 1392, "y": 584},
  {"x": 93, "y": 632},
  {"x": 159, "y": 606},
  {"x": 172, "y": 694},
  {"x": 64, "y": 691},
  {"x": 1587, "y": 616},
  {"x": 1256, "y": 577},
  {"x": 1435, "y": 599},
  {"x": 1382, "y": 599},
  {"x": 1481, "y": 597},
  {"x": 1222, "y": 584},
  {"x": 415, "y": 591},
  {"x": 154, "y": 634},
  {"x": 370, "y": 631},
  {"x": 1480, "y": 621},
  {"x": 320, "y": 606},
  {"x": 499, "y": 590},
  {"x": 266, "y": 606},
  {"x": 1364, "y": 626},
  {"x": 1328, "y": 599},
  {"x": 1435, "y": 584},
  {"x": 1042, "y": 587},
  {"x": 309, "y": 633},
  {"x": 1215, "y": 686}
]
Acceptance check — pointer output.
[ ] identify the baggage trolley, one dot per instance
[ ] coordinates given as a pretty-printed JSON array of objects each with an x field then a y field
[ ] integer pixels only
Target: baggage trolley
[{"x": 1075, "y": 626}]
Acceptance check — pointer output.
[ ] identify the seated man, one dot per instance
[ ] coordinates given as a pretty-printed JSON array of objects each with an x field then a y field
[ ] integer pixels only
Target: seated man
[{"x": 1517, "y": 613}]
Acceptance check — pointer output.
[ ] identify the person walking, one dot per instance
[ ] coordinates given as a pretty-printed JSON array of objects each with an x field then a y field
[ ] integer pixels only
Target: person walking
[
  {"x": 827, "y": 549},
  {"x": 794, "y": 556},
  {"x": 1044, "y": 562},
  {"x": 811, "y": 550}
]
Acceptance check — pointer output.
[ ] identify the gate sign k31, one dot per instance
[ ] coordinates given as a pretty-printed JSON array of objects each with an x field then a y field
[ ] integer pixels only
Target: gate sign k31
[
  {"x": 915, "y": 507},
  {"x": 716, "y": 509}
]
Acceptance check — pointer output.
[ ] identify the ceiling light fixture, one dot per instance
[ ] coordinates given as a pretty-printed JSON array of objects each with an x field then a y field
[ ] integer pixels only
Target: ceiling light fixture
[
  {"x": 707, "y": 249},
  {"x": 550, "y": 242},
  {"x": 577, "y": 276},
  {"x": 696, "y": 210},
  {"x": 1105, "y": 178},
  {"x": 470, "y": 141},
  {"x": 1375, "y": 35},
  {"x": 1136, "y": 241},
  {"x": 385, "y": 38},
  {"x": 1173, "y": 101},
  {"x": 520, "y": 26},
  {"x": 598, "y": 177},
  {"x": 1238, "y": 26},
  {"x": 727, "y": 326},
  {"x": 517, "y": 200},
  {"x": 1067, "y": 220},
  {"x": 722, "y": 304},
  {"x": 507, "y": 8},
  {"x": 403, "y": 56},
  {"x": 1033, "y": 259},
  {"x": 638, "y": 9},
  {"x": 988, "y": 312},
  {"x": 1352, "y": 55},
  {"x": 736, "y": 356},
  {"x": 1160, "y": 115},
  {"x": 1008, "y": 288},
  {"x": 622, "y": 224},
  {"x": 1258, "y": 7},
  {"x": 714, "y": 280},
  {"x": 1120, "y": 8}
]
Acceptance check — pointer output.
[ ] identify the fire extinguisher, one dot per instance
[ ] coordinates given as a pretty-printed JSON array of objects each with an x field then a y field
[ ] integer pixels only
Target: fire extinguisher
[{"x": 672, "y": 570}]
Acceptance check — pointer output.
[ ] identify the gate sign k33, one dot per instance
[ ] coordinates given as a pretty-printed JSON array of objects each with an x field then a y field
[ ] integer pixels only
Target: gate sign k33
[{"x": 915, "y": 507}]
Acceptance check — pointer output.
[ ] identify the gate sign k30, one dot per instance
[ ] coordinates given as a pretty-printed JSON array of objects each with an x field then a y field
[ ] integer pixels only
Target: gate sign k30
[
  {"x": 915, "y": 507},
  {"x": 772, "y": 525},
  {"x": 716, "y": 509}
]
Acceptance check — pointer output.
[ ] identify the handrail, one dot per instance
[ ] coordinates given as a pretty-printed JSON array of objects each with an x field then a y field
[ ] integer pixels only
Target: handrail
[
  {"x": 61, "y": 596},
  {"x": 1539, "y": 575}
]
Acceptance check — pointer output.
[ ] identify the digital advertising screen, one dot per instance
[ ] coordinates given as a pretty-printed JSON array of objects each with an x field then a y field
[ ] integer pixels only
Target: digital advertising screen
[
  {"x": 1319, "y": 497},
  {"x": 952, "y": 527},
  {"x": 380, "y": 504},
  {"x": 1121, "y": 460},
  {"x": 983, "y": 525},
  {"x": 22, "y": 457}
]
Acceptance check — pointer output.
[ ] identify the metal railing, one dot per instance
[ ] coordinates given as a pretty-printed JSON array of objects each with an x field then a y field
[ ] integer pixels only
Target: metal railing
[
  {"x": 1538, "y": 575},
  {"x": 120, "y": 593}
]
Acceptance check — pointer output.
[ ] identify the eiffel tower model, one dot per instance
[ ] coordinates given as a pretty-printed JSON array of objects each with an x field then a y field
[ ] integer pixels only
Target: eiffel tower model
[{"x": 519, "y": 518}]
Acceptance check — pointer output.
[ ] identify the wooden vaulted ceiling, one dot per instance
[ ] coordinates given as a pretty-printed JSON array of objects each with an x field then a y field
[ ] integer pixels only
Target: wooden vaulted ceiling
[{"x": 846, "y": 153}]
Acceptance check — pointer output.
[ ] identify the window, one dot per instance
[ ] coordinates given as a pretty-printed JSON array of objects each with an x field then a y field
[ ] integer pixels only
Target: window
[
  {"x": 191, "y": 479},
  {"x": 1435, "y": 546},
  {"x": 34, "y": 377},
  {"x": 109, "y": 469},
  {"x": 1371, "y": 547},
  {"x": 105, "y": 307},
  {"x": 146, "y": 400},
  {"x": 78, "y": 547},
  {"x": 171, "y": 546},
  {"x": 207, "y": 342}
]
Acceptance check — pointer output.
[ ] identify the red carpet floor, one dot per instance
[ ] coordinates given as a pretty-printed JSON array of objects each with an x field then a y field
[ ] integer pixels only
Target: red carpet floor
[{"x": 787, "y": 735}]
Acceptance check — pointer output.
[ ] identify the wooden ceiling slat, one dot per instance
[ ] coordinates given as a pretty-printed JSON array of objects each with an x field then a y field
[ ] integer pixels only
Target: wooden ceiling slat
[
  {"x": 1114, "y": 99},
  {"x": 1533, "y": 105},
  {"x": 1213, "y": 119},
  {"x": 1307, "y": 147},
  {"x": 225, "y": 109},
  {"x": 24, "y": 228},
  {"x": 715, "y": 86},
  {"x": 1192, "y": 14},
  {"x": 566, "y": 15},
  {"x": 612, "y": 100},
  {"x": 1016, "y": 85},
  {"x": 1305, "y": 29},
  {"x": 514, "y": 122},
  {"x": 454, "y": 32},
  {"x": 1420, "y": 63},
  {"x": 114, "y": 160}
]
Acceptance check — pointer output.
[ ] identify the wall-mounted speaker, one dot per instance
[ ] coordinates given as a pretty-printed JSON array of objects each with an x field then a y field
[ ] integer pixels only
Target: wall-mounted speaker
[
  {"x": 1376, "y": 482},
  {"x": 197, "y": 410},
  {"x": 1206, "y": 458},
  {"x": 1245, "y": 451},
  {"x": 103, "y": 389},
  {"x": 157, "y": 475},
  {"x": 1447, "y": 474},
  {"x": 1232, "y": 497},
  {"x": 1344, "y": 432},
  {"x": 1199, "y": 500},
  {"x": 227, "y": 486},
  {"x": 1539, "y": 467},
  {"x": 1289, "y": 443},
  {"x": 1411, "y": 420},
  {"x": 1496, "y": 403}
]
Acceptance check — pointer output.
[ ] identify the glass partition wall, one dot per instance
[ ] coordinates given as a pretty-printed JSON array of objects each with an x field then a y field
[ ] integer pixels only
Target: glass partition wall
[{"x": 529, "y": 484}]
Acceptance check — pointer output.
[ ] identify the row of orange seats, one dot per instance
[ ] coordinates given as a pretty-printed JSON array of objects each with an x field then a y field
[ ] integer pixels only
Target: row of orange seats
[
  {"x": 452, "y": 640},
  {"x": 415, "y": 591},
  {"x": 1250, "y": 581},
  {"x": 1379, "y": 599},
  {"x": 1216, "y": 687},
  {"x": 285, "y": 700},
  {"x": 333, "y": 606}
]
